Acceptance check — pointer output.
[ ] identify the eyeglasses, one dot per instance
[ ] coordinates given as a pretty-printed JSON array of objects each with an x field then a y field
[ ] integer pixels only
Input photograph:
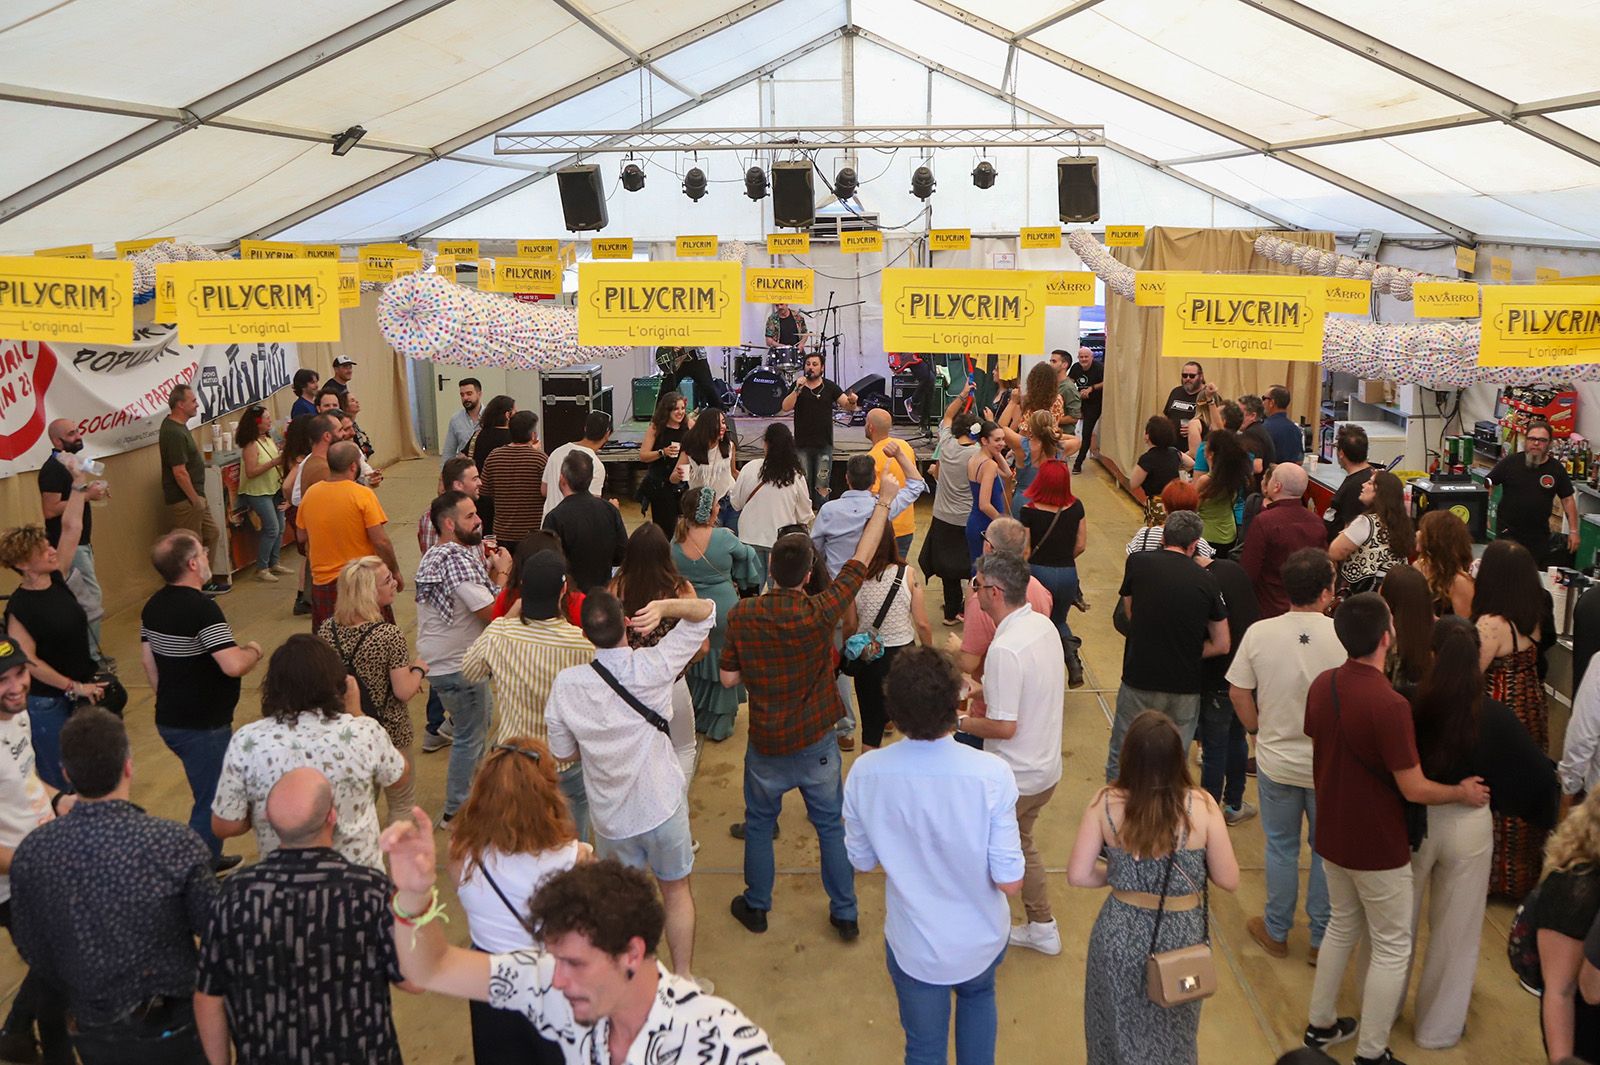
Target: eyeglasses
[
  {"x": 1187, "y": 376},
  {"x": 526, "y": 752}
]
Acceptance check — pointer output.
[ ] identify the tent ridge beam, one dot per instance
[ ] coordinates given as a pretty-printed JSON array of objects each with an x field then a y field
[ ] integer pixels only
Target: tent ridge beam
[
  {"x": 594, "y": 25},
  {"x": 1050, "y": 20}
]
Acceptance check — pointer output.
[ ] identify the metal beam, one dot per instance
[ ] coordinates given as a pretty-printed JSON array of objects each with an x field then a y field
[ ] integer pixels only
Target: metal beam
[
  {"x": 1204, "y": 121},
  {"x": 1559, "y": 103},
  {"x": 1470, "y": 118},
  {"x": 1429, "y": 76},
  {"x": 577, "y": 11},
  {"x": 666, "y": 116},
  {"x": 1039, "y": 112},
  {"x": 247, "y": 88},
  {"x": 1060, "y": 16},
  {"x": 798, "y": 138},
  {"x": 477, "y": 133}
]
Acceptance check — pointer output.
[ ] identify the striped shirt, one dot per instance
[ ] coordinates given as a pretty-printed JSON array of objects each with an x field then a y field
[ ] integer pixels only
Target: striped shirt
[
  {"x": 513, "y": 476},
  {"x": 184, "y": 628},
  {"x": 524, "y": 659}
]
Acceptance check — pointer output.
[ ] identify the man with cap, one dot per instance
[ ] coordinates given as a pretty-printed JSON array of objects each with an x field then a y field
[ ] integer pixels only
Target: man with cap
[{"x": 344, "y": 368}]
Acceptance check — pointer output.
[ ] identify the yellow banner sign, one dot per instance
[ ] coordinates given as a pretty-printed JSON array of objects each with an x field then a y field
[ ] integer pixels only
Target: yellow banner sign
[
  {"x": 382, "y": 262},
  {"x": 256, "y": 250},
  {"x": 1150, "y": 288},
  {"x": 1466, "y": 259},
  {"x": 1499, "y": 269},
  {"x": 1039, "y": 237},
  {"x": 865, "y": 240},
  {"x": 949, "y": 239},
  {"x": 788, "y": 243},
  {"x": 321, "y": 251},
  {"x": 84, "y": 300},
  {"x": 1068, "y": 288},
  {"x": 990, "y": 311},
  {"x": 166, "y": 309},
  {"x": 762, "y": 285},
  {"x": 1540, "y": 325},
  {"x": 126, "y": 248},
  {"x": 1244, "y": 317},
  {"x": 1124, "y": 236},
  {"x": 1545, "y": 274},
  {"x": 458, "y": 249},
  {"x": 702, "y": 246},
  {"x": 568, "y": 255},
  {"x": 1348, "y": 295},
  {"x": 349, "y": 285},
  {"x": 445, "y": 266},
  {"x": 1444, "y": 299},
  {"x": 538, "y": 249},
  {"x": 611, "y": 248},
  {"x": 226, "y": 302},
  {"x": 529, "y": 276},
  {"x": 658, "y": 303},
  {"x": 71, "y": 251}
]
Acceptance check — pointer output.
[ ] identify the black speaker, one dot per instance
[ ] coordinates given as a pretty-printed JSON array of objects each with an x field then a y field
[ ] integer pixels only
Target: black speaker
[
  {"x": 1078, "y": 188},
  {"x": 793, "y": 198},
  {"x": 903, "y": 396},
  {"x": 583, "y": 197},
  {"x": 870, "y": 385}
]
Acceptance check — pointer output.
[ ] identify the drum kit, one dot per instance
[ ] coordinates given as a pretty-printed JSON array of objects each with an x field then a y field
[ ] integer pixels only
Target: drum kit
[{"x": 764, "y": 382}]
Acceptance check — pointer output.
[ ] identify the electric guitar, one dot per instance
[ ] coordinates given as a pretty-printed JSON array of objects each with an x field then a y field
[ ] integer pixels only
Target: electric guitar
[
  {"x": 900, "y": 360},
  {"x": 671, "y": 360}
]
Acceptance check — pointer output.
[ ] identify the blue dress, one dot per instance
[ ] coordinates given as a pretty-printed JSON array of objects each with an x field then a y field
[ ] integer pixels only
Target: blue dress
[{"x": 977, "y": 520}]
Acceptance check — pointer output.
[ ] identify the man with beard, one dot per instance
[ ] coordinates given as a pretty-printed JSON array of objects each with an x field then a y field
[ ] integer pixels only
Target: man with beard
[
  {"x": 55, "y": 486},
  {"x": 1183, "y": 400},
  {"x": 1090, "y": 378},
  {"x": 465, "y": 421},
  {"x": 1528, "y": 484}
]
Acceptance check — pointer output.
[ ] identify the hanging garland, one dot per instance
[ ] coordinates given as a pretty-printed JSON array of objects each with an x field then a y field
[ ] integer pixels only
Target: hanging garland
[
  {"x": 1396, "y": 281},
  {"x": 168, "y": 251}
]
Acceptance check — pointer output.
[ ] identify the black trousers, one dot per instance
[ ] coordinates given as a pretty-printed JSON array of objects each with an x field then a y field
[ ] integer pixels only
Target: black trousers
[
  {"x": 506, "y": 1037},
  {"x": 1091, "y": 416},
  {"x": 869, "y": 697},
  {"x": 923, "y": 372},
  {"x": 38, "y": 1004},
  {"x": 166, "y": 1034},
  {"x": 945, "y": 555},
  {"x": 705, "y": 389}
]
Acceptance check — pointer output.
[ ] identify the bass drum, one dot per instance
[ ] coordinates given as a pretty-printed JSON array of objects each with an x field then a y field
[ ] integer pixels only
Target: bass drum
[{"x": 761, "y": 392}]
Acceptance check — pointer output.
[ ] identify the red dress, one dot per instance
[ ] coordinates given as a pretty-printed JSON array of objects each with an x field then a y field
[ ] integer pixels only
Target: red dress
[{"x": 1518, "y": 846}]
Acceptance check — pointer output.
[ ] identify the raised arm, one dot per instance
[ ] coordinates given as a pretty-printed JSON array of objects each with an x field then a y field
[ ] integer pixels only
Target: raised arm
[{"x": 426, "y": 959}]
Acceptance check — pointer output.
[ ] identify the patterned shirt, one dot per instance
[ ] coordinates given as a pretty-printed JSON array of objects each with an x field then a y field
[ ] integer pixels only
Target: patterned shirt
[
  {"x": 513, "y": 476},
  {"x": 427, "y": 535},
  {"x": 786, "y": 637},
  {"x": 107, "y": 903},
  {"x": 524, "y": 659},
  {"x": 300, "y": 945},
  {"x": 685, "y": 1026}
]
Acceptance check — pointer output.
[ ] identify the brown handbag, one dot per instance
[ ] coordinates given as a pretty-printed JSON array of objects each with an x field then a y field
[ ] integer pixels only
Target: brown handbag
[{"x": 1187, "y": 974}]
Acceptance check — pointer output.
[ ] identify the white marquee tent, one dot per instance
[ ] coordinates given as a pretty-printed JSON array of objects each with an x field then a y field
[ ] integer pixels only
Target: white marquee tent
[{"x": 1471, "y": 121}]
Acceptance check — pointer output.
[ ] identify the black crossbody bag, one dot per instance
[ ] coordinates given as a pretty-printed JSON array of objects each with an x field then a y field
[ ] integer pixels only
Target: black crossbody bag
[
  {"x": 1416, "y": 814},
  {"x": 655, "y": 720}
]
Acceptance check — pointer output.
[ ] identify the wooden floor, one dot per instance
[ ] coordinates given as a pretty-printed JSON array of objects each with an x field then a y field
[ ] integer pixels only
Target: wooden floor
[{"x": 814, "y": 994}]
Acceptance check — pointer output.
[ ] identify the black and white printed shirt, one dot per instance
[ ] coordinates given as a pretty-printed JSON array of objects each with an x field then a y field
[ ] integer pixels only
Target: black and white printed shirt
[
  {"x": 685, "y": 1026},
  {"x": 301, "y": 947}
]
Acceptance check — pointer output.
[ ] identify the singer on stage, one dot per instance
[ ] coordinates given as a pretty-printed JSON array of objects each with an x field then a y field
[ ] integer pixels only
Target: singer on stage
[{"x": 812, "y": 401}]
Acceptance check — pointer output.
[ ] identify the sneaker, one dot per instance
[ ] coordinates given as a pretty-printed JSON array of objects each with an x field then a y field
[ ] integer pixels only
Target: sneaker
[
  {"x": 754, "y": 920},
  {"x": 225, "y": 863},
  {"x": 1386, "y": 1058},
  {"x": 301, "y": 607},
  {"x": 434, "y": 741},
  {"x": 1081, "y": 603},
  {"x": 1311, "y": 956},
  {"x": 1238, "y": 815},
  {"x": 694, "y": 846},
  {"x": 1042, "y": 936},
  {"x": 266, "y": 575},
  {"x": 216, "y": 587},
  {"x": 1250, "y": 766},
  {"x": 957, "y": 620},
  {"x": 443, "y": 824},
  {"x": 1342, "y": 1029},
  {"x": 706, "y": 986},
  {"x": 1257, "y": 927},
  {"x": 736, "y": 830},
  {"x": 847, "y": 742},
  {"x": 849, "y": 931},
  {"x": 447, "y": 729},
  {"x": 283, "y": 571}
]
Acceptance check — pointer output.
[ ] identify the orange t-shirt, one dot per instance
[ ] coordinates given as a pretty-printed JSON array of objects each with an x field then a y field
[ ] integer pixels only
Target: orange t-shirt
[
  {"x": 336, "y": 516},
  {"x": 905, "y": 522}
]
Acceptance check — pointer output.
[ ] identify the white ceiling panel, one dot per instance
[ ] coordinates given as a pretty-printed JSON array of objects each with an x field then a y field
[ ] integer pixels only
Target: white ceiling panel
[
  {"x": 55, "y": 138},
  {"x": 401, "y": 205},
  {"x": 1298, "y": 197},
  {"x": 643, "y": 24},
  {"x": 754, "y": 42}
]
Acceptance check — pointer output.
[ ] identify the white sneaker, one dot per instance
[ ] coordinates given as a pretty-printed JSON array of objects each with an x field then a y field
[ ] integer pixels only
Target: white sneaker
[
  {"x": 1235, "y": 815},
  {"x": 447, "y": 729},
  {"x": 266, "y": 575},
  {"x": 1043, "y": 937}
]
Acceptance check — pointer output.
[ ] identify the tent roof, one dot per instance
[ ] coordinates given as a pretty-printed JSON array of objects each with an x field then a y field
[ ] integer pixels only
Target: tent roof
[{"x": 1460, "y": 118}]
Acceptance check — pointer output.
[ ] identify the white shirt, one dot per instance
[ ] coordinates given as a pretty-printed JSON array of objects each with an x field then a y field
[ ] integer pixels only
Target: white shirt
[
  {"x": 716, "y": 473},
  {"x": 1580, "y": 752},
  {"x": 630, "y": 770},
  {"x": 443, "y": 643},
  {"x": 1279, "y": 658},
  {"x": 941, "y": 818},
  {"x": 552, "y": 474},
  {"x": 766, "y": 508},
  {"x": 494, "y": 927},
  {"x": 898, "y": 629},
  {"x": 685, "y": 1025},
  {"x": 24, "y": 804},
  {"x": 1025, "y": 669}
]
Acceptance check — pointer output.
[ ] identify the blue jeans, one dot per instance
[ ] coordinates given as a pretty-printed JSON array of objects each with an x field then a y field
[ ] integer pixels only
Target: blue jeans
[
  {"x": 577, "y": 798},
  {"x": 434, "y": 712},
  {"x": 902, "y": 544},
  {"x": 816, "y": 771},
  {"x": 1183, "y": 708},
  {"x": 817, "y": 463},
  {"x": 763, "y": 559},
  {"x": 266, "y": 509},
  {"x": 727, "y": 517},
  {"x": 1282, "y": 806},
  {"x": 201, "y": 751},
  {"x": 47, "y": 715},
  {"x": 925, "y": 1015},
  {"x": 470, "y": 707},
  {"x": 1224, "y": 751},
  {"x": 1062, "y": 581}
]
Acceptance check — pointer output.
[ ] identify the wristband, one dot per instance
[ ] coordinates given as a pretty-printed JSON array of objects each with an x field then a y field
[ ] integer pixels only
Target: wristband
[{"x": 435, "y": 911}]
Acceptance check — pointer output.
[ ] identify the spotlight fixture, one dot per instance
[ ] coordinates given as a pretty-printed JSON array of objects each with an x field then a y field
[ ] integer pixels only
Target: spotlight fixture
[
  {"x": 632, "y": 176},
  {"x": 694, "y": 184},
  {"x": 755, "y": 183},
  {"x": 983, "y": 175},
  {"x": 844, "y": 183},
  {"x": 343, "y": 142},
  {"x": 922, "y": 183}
]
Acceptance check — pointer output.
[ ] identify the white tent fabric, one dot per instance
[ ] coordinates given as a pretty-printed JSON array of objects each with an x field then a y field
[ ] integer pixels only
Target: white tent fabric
[{"x": 211, "y": 122}]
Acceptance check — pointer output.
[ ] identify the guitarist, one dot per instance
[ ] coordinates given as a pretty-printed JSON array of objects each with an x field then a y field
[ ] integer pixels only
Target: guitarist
[
  {"x": 919, "y": 367},
  {"x": 678, "y": 363}
]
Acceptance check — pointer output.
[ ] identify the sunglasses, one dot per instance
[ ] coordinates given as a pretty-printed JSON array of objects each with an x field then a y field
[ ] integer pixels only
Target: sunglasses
[
  {"x": 1188, "y": 376},
  {"x": 526, "y": 752}
]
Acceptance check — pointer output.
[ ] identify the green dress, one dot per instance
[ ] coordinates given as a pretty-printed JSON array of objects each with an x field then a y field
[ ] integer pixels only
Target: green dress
[{"x": 728, "y": 563}]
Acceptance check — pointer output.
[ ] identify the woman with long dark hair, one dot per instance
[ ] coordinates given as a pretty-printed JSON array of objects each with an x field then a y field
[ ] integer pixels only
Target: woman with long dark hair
[
  {"x": 904, "y": 623},
  {"x": 1057, "y": 535},
  {"x": 771, "y": 494},
  {"x": 1155, "y": 829},
  {"x": 1161, "y": 462},
  {"x": 710, "y": 460},
  {"x": 494, "y": 430},
  {"x": 1411, "y": 607},
  {"x": 648, "y": 573},
  {"x": 1444, "y": 557},
  {"x": 659, "y": 451},
  {"x": 260, "y": 482},
  {"x": 1222, "y": 489},
  {"x": 1040, "y": 398},
  {"x": 718, "y": 564},
  {"x": 989, "y": 479},
  {"x": 1376, "y": 540}
]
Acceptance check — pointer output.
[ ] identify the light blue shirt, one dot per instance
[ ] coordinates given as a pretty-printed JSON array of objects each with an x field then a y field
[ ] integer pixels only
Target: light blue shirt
[
  {"x": 941, "y": 818},
  {"x": 457, "y": 434},
  {"x": 841, "y": 521}
]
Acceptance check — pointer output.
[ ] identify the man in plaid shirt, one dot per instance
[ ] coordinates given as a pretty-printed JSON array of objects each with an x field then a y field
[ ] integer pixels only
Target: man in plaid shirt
[
  {"x": 787, "y": 637},
  {"x": 458, "y": 475}
]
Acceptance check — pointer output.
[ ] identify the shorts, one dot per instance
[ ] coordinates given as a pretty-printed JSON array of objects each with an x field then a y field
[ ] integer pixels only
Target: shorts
[{"x": 666, "y": 850}]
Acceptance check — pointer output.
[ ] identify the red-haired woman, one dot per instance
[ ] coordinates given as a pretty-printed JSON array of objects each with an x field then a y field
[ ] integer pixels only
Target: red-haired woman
[{"x": 1057, "y": 535}]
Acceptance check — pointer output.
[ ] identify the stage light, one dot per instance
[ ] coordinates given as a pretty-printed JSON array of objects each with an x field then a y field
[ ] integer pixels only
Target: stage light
[
  {"x": 343, "y": 142},
  {"x": 922, "y": 183},
  {"x": 983, "y": 175},
  {"x": 632, "y": 176},
  {"x": 694, "y": 184},
  {"x": 755, "y": 183},
  {"x": 844, "y": 183}
]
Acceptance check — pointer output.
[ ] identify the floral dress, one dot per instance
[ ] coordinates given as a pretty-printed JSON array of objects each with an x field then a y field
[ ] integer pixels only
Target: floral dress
[{"x": 1513, "y": 679}]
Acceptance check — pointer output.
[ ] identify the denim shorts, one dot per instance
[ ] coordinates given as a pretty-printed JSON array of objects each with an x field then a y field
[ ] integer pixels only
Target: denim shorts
[{"x": 666, "y": 850}]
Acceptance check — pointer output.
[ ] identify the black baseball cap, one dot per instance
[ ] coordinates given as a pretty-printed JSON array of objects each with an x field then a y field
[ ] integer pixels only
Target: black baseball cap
[{"x": 543, "y": 578}]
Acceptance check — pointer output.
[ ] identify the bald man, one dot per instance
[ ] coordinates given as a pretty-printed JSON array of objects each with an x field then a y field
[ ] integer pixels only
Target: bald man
[
  {"x": 1090, "y": 378},
  {"x": 1283, "y": 527},
  {"x": 879, "y": 425},
  {"x": 55, "y": 485},
  {"x": 328, "y": 952}
]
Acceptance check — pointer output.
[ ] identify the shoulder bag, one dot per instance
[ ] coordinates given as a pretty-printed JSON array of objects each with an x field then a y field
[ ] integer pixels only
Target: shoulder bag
[
  {"x": 369, "y": 706},
  {"x": 655, "y": 720},
  {"x": 1047, "y": 531},
  {"x": 865, "y": 647},
  {"x": 1416, "y": 814},
  {"x": 1186, "y": 974}
]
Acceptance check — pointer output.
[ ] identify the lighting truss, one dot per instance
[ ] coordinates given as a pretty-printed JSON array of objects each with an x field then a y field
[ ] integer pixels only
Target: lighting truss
[{"x": 807, "y": 138}]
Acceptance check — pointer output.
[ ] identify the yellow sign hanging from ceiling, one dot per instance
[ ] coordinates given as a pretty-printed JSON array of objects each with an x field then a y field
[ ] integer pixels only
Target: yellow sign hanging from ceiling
[
  {"x": 349, "y": 285},
  {"x": 445, "y": 266},
  {"x": 256, "y": 250},
  {"x": 1124, "y": 236},
  {"x": 611, "y": 248},
  {"x": 1466, "y": 259},
  {"x": 1499, "y": 269},
  {"x": 788, "y": 243},
  {"x": 992, "y": 311},
  {"x": 861, "y": 241},
  {"x": 949, "y": 239},
  {"x": 231, "y": 301},
  {"x": 1068, "y": 288},
  {"x": 1241, "y": 317},
  {"x": 568, "y": 256},
  {"x": 459, "y": 249},
  {"x": 1150, "y": 288},
  {"x": 166, "y": 308},
  {"x": 71, "y": 251},
  {"x": 1540, "y": 325},
  {"x": 1545, "y": 274},
  {"x": 763, "y": 285},
  {"x": 126, "y": 248},
  {"x": 683, "y": 304},
  {"x": 1349, "y": 295},
  {"x": 702, "y": 246},
  {"x": 538, "y": 249},
  {"x": 82, "y": 300},
  {"x": 540, "y": 277},
  {"x": 1444, "y": 299},
  {"x": 321, "y": 251},
  {"x": 385, "y": 262},
  {"x": 1039, "y": 237}
]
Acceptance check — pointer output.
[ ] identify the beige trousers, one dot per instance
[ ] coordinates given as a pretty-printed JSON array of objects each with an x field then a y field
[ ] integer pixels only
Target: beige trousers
[
  {"x": 398, "y": 799},
  {"x": 1378, "y": 902},
  {"x": 1035, "y": 889},
  {"x": 1453, "y": 865}
]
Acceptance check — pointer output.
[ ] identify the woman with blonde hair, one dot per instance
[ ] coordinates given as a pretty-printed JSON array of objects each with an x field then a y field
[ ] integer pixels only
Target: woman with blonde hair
[
  {"x": 1444, "y": 557},
  {"x": 1563, "y": 912},
  {"x": 374, "y": 651},
  {"x": 512, "y": 834}
]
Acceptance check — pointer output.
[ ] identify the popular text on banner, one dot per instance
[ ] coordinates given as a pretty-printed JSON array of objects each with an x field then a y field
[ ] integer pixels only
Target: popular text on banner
[
  {"x": 1241, "y": 317},
  {"x": 321, "y": 251},
  {"x": 763, "y": 285},
  {"x": 993, "y": 311},
  {"x": 1546, "y": 274},
  {"x": 949, "y": 239},
  {"x": 126, "y": 248},
  {"x": 699, "y": 246},
  {"x": 658, "y": 303},
  {"x": 1466, "y": 259},
  {"x": 256, "y": 250},
  {"x": 538, "y": 249},
  {"x": 1068, "y": 288},
  {"x": 84, "y": 300},
  {"x": 71, "y": 251},
  {"x": 1124, "y": 236},
  {"x": 233, "y": 302},
  {"x": 1540, "y": 325},
  {"x": 166, "y": 301},
  {"x": 611, "y": 248},
  {"x": 1039, "y": 237},
  {"x": 1150, "y": 288},
  {"x": 1349, "y": 295},
  {"x": 349, "y": 285},
  {"x": 1444, "y": 299},
  {"x": 540, "y": 277},
  {"x": 460, "y": 249},
  {"x": 861, "y": 241},
  {"x": 788, "y": 243}
]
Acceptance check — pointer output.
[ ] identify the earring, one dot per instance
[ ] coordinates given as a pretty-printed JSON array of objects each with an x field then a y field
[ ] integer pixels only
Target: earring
[{"x": 630, "y": 972}]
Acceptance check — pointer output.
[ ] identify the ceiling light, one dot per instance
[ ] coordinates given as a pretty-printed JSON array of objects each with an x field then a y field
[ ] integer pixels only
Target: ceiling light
[
  {"x": 844, "y": 183},
  {"x": 694, "y": 184},
  {"x": 632, "y": 176},
  {"x": 983, "y": 175},
  {"x": 755, "y": 183},
  {"x": 922, "y": 183},
  {"x": 343, "y": 142}
]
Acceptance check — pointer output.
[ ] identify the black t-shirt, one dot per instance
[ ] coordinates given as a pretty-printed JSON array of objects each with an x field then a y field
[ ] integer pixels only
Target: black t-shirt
[
  {"x": 1053, "y": 546},
  {"x": 1180, "y": 408},
  {"x": 1522, "y": 781},
  {"x": 60, "y": 631},
  {"x": 1346, "y": 503},
  {"x": 1094, "y": 375},
  {"x": 813, "y": 414},
  {"x": 592, "y": 536},
  {"x": 1160, "y": 465},
  {"x": 56, "y": 479},
  {"x": 1174, "y": 602},
  {"x": 184, "y": 627},
  {"x": 1526, "y": 495},
  {"x": 788, "y": 330},
  {"x": 1259, "y": 443},
  {"x": 1243, "y": 611}
]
